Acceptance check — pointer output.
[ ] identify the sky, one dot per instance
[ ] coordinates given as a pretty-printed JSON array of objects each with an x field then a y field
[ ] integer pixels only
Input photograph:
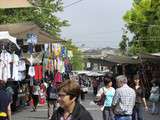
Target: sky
[{"x": 94, "y": 23}]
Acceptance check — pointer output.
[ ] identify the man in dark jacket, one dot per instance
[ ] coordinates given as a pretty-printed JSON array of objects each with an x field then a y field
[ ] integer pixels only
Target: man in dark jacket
[
  {"x": 70, "y": 108},
  {"x": 51, "y": 99},
  {"x": 5, "y": 102}
]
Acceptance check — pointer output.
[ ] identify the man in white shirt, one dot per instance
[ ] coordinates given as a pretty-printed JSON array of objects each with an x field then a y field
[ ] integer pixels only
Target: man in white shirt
[{"x": 124, "y": 99}]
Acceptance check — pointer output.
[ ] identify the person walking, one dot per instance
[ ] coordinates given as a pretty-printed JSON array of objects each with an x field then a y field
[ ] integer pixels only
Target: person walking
[
  {"x": 154, "y": 97},
  {"x": 95, "y": 86},
  {"x": 140, "y": 100},
  {"x": 70, "y": 108},
  {"x": 109, "y": 92},
  {"x": 51, "y": 99},
  {"x": 123, "y": 100},
  {"x": 35, "y": 96},
  {"x": 5, "y": 102}
]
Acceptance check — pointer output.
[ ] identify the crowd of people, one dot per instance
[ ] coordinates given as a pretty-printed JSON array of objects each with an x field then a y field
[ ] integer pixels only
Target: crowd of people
[
  {"x": 127, "y": 102},
  {"x": 121, "y": 103}
]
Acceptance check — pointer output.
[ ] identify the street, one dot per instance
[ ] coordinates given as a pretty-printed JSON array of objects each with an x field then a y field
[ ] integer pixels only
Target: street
[{"x": 41, "y": 114}]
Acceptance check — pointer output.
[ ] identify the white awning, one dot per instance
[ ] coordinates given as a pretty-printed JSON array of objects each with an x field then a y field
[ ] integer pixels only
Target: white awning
[{"x": 4, "y": 35}]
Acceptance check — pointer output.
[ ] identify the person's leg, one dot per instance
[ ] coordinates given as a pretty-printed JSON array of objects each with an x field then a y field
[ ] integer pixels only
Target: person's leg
[
  {"x": 111, "y": 114},
  {"x": 33, "y": 102},
  {"x": 153, "y": 107},
  {"x": 50, "y": 108},
  {"x": 36, "y": 101},
  {"x": 156, "y": 108},
  {"x": 105, "y": 114},
  {"x": 140, "y": 112},
  {"x": 54, "y": 105},
  {"x": 94, "y": 90},
  {"x": 134, "y": 113}
]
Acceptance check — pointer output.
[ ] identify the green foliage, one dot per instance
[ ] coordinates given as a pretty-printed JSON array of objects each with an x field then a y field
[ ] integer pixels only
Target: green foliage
[
  {"x": 123, "y": 44},
  {"x": 143, "y": 20},
  {"x": 77, "y": 60},
  {"x": 43, "y": 14}
]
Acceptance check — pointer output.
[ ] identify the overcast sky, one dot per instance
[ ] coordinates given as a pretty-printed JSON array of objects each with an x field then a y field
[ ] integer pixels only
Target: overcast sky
[{"x": 95, "y": 23}]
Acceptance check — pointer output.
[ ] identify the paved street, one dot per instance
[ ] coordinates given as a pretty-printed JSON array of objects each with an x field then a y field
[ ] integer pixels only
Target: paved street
[{"x": 41, "y": 114}]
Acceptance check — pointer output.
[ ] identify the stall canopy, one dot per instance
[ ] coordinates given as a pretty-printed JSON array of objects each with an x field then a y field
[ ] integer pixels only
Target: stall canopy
[
  {"x": 14, "y": 4},
  {"x": 114, "y": 59},
  {"x": 20, "y": 31},
  {"x": 153, "y": 58},
  {"x": 88, "y": 73}
]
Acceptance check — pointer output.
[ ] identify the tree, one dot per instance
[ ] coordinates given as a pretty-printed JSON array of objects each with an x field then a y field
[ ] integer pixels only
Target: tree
[
  {"x": 77, "y": 61},
  {"x": 43, "y": 14},
  {"x": 143, "y": 20},
  {"x": 124, "y": 43}
]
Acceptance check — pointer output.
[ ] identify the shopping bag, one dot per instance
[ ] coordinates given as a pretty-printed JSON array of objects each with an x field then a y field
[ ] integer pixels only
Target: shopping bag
[
  {"x": 100, "y": 100},
  {"x": 154, "y": 97},
  {"x": 85, "y": 89}
]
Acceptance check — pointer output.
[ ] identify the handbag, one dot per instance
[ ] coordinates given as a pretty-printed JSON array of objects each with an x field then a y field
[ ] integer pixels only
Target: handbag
[
  {"x": 154, "y": 97},
  {"x": 85, "y": 89},
  {"x": 100, "y": 101}
]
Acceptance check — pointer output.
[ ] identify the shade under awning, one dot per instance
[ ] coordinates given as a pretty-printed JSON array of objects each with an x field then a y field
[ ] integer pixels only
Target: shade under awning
[
  {"x": 20, "y": 30},
  {"x": 14, "y": 4}
]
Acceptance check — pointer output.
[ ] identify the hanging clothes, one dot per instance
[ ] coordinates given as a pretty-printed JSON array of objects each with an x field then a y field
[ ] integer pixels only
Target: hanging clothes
[
  {"x": 63, "y": 52},
  {"x": 38, "y": 72},
  {"x": 70, "y": 54},
  {"x": 5, "y": 71},
  {"x": 57, "y": 77},
  {"x": 15, "y": 60},
  {"x": 31, "y": 71},
  {"x": 22, "y": 65},
  {"x": 57, "y": 49}
]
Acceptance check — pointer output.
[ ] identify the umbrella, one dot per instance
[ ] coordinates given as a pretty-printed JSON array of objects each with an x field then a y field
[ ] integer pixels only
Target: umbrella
[
  {"x": 14, "y": 4},
  {"x": 8, "y": 40}
]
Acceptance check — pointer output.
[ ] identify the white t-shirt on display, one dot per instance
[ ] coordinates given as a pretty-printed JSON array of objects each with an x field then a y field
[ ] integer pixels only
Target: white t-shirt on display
[
  {"x": 5, "y": 71},
  {"x": 15, "y": 60}
]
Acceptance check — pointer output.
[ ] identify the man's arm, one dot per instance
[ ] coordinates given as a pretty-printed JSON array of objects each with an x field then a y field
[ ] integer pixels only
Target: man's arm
[
  {"x": 9, "y": 111},
  {"x": 116, "y": 99}
]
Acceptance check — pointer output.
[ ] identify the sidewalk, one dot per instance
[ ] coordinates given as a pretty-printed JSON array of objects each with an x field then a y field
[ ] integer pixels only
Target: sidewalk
[{"x": 90, "y": 97}]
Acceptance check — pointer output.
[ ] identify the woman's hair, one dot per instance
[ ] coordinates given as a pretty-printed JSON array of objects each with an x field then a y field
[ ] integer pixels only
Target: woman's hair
[
  {"x": 155, "y": 81},
  {"x": 107, "y": 81},
  {"x": 70, "y": 87},
  {"x": 137, "y": 77},
  {"x": 2, "y": 84}
]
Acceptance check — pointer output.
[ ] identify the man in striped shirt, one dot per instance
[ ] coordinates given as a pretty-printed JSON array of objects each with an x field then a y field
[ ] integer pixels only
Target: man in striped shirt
[{"x": 124, "y": 99}]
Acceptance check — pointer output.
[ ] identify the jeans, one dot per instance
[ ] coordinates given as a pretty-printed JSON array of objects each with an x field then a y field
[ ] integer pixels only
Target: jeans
[
  {"x": 138, "y": 112},
  {"x": 108, "y": 114},
  {"x": 155, "y": 108},
  {"x": 52, "y": 104},
  {"x": 123, "y": 117}
]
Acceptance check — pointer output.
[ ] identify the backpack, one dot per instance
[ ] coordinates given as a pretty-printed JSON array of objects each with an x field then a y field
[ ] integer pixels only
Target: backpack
[{"x": 52, "y": 93}]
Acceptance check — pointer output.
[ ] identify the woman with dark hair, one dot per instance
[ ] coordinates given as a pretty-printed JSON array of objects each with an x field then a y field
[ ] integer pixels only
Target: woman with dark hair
[
  {"x": 70, "y": 108},
  {"x": 5, "y": 102},
  {"x": 154, "y": 97},
  {"x": 35, "y": 96},
  {"x": 109, "y": 92},
  {"x": 140, "y": 99}
]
